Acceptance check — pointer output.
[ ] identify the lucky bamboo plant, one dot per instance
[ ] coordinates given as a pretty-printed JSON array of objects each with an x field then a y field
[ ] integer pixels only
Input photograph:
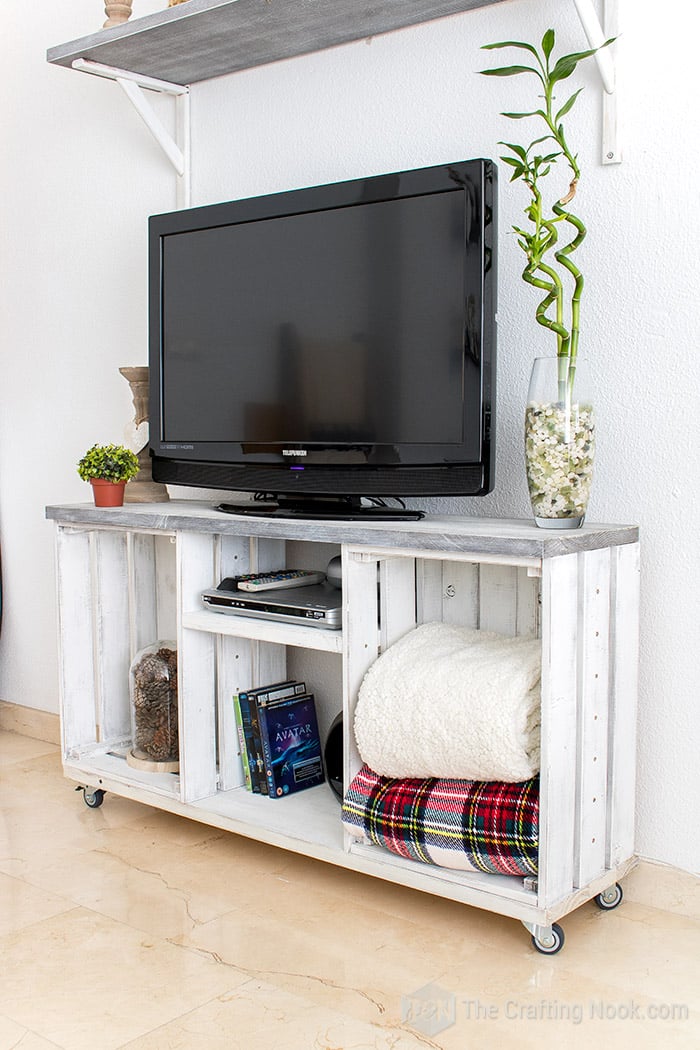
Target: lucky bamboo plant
[{"x": 549, "y": 265}]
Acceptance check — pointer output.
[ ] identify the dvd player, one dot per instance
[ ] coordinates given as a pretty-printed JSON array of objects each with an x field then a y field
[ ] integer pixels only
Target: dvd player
[{"x": 317, "y": 606}]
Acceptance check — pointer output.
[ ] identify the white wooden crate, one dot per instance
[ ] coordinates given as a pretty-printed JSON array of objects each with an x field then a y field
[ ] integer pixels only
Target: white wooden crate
[
  {"x": 130, "y": 576},
  {"x": 583, "y": 606}
]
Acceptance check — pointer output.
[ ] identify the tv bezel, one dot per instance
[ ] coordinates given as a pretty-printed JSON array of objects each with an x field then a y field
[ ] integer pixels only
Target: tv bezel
[{"x": 424, "y": 472}]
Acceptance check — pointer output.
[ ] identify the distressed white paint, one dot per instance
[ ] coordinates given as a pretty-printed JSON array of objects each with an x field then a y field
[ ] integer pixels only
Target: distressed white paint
[
  {"x": 76, "y": 629},
  {"x": 593, "y": 636},
  {"x": 382, "y": 592},
  {"x": 361, "y": 643},
  {"x": 558, "y": 773},
  {"x": 396, "y": 580},
  {"x": 196, "y": 673},
  {"x": 142, "y": 592},
  {"x": 624, "y": 686},
  {"x": 112, "y": 634}
]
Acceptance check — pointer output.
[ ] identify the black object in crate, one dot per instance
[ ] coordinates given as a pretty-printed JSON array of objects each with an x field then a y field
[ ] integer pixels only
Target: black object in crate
[{"x": 333, "y": 757}]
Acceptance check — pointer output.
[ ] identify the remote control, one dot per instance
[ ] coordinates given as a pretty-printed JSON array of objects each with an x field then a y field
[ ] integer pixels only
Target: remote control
[
  {"x": 273, "y": 581},
  {"x": 232, "y": 583}
]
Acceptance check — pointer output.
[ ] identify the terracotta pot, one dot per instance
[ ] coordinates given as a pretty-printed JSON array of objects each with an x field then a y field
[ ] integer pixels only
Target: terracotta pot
[{"x": 108, "y": 493}]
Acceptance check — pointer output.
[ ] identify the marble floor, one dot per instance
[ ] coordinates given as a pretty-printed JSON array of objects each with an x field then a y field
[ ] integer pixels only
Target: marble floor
[{"x": 127, "y": 927}]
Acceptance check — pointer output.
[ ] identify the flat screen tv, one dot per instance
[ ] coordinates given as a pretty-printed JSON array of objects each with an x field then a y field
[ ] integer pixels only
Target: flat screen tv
[{"x": 330, "y": 349}]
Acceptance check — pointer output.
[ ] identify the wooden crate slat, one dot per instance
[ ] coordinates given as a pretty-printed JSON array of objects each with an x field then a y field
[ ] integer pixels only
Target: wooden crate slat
[
  {"x": 166, "y": 587},
  {"x": 460, "y": 593},
  {"x": 623, "y": 702},
  {"x": 113, "y": 635},
  {"x": 360, "y": 644},
  {"x": 558, "y": 773},
  {"x": 143, "y": 591},
  {"x": 76, "y": 628},
  {"x": 196, "y": 673},
  {"x": 227, "y": 669},
  {"x": 397, "y": 599},
  {"x": 232, "y": 557},
  {"x": 592, "y": 758},
  {"x": 498, "y": 593},
  {"x": 428, "y": 590},
  {"x": 267, "y": 554},
  {"x": 527, "y": 618}
]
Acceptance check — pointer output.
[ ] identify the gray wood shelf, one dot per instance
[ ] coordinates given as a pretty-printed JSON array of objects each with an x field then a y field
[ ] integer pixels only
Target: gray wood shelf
[
  {"x": 481, "y": 536},
  {"x": 202, "y": 39}
]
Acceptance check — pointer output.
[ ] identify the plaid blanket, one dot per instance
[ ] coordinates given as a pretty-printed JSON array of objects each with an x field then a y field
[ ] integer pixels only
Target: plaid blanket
[{"x": 469, "y": 825}]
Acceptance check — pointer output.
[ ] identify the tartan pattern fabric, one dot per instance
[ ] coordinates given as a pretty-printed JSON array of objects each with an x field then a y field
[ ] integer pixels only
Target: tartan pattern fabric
[{"x": 472, "y": 825}]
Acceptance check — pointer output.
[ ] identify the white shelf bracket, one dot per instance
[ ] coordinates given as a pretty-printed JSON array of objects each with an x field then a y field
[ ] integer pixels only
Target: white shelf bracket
[
  {"x": 176, "y": 148},
  {"x": 597, "y": 34}
]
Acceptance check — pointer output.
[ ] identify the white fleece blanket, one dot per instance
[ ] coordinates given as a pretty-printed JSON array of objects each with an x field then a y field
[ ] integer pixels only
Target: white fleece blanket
[{"x": 447, "y": 701}]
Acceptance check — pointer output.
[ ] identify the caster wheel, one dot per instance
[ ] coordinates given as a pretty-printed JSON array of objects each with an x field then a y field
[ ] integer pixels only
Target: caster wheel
[
  {"x": 552, "y": 944},
  {"x": 610, "y": 898},
  {"x": 93, "y": 797}
]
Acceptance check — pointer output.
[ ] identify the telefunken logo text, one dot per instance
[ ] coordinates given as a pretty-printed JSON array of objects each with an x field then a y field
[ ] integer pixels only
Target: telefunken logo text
[{"x": 293, "y": 451}]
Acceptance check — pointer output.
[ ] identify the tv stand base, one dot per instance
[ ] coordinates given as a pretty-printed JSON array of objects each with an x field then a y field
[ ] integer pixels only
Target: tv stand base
[{"x": 322, "y": 508}]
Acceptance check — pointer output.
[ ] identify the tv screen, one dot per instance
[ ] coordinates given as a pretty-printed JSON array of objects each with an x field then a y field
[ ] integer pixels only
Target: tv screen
[{"x": 333, "y": 342}]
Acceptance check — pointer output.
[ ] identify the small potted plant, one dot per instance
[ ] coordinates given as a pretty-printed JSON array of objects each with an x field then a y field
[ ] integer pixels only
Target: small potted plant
[{"x": 108, "y": 468}]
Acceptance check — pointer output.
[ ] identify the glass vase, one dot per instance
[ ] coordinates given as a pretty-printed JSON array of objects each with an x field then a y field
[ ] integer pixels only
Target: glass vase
[
  {"x": 559, "y": 442},
  {"x": 154, "y": 708}
]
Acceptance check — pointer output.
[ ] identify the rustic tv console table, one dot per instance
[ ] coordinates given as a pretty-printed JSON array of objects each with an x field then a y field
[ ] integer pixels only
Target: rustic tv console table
[{"x": 129, "y": 576}]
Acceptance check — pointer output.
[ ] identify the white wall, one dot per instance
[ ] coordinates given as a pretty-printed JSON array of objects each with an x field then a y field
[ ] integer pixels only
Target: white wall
[{"x": 80, "y": 175}]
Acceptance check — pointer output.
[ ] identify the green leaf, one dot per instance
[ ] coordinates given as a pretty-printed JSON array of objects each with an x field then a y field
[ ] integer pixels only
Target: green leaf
[
  {"x": 519, "y": 116},
  {"x": 509, "y": 71},
  {"x": 567, "y": 106},
  {"x": 548, "y": 42},
  {"x": 510, "y": 43},
  {"x": 543, "y": 138},
  {"x": 518, "y": 169},
  {"x": 562, "y": 70},
  {"x": 517, "y": 150},
  {"x": 567, "y": 63}
]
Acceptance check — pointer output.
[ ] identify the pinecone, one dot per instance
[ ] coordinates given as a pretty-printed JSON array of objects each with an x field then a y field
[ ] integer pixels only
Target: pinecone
[{"x": 155, "y": 704}]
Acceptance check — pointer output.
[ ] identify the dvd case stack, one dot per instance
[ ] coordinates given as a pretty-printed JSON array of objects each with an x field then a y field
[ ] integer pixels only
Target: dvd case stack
[{"x": 279, "y": 740}]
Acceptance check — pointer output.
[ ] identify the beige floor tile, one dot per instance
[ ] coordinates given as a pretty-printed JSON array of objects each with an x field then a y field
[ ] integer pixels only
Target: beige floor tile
[
  {"x": 128, "y": 927},
  {"x": 166, "y": 827},
  {"x": 659, "y": 886},
  {"x": 17, "y": 749},
  {"x": 43, "y": 818},
  {"x": 348, "y": 956},
  {"x": 15, "y": 1037},
  {"x": 22, "y": 904},
  {"x": 210, "y": 874},
  {"x": 86, "y": 982},
  {"x": 569, "y": 1025},
  {"x": 263, "y": 1015},
  {"x": 105, "y": 884},
  {"x": 596, "y": 992}
]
